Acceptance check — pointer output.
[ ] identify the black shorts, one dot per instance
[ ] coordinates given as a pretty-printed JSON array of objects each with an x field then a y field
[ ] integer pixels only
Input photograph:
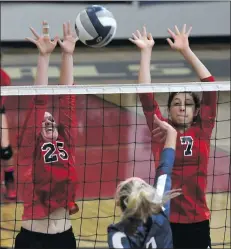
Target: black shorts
[
  {"x": 193, "y": 235},
  {"x": 28, "y": 239}
]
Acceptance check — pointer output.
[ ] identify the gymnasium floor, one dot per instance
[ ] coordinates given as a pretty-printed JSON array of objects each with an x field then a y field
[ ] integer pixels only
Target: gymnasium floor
[{"x": 115, "y": 143}]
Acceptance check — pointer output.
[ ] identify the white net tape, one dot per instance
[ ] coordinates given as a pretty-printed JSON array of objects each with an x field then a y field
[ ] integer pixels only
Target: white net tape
[{"x": 115, "y": 88}]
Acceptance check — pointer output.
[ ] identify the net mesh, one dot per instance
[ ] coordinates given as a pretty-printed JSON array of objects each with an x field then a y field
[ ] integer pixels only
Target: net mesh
[{"x": 113, "y": 144}]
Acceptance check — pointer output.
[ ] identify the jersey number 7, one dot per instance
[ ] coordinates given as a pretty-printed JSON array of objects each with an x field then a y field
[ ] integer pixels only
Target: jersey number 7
[
  {"x": 189, "y": 141},
  {"x": 54, "y": 152}
]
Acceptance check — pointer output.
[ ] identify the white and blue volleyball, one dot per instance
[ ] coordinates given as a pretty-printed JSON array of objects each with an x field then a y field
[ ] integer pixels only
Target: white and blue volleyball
[{"x": 95, "y": 26}]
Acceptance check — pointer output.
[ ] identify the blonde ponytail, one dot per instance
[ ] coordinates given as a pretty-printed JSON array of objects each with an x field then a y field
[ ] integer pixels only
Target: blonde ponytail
[{"x": 139, "y": 200}]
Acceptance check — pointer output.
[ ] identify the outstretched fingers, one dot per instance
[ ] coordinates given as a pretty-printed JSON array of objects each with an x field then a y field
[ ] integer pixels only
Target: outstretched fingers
[
  {"x": 189, "y": 31},
  {"x": 31, "y": 40},
  {"x": 65, "y": 30},
  {"x": 69, "y": 28},
  {"x": 138, "y": 34},
  {"x": 34, "y": 33},
  {"x": 177, "y": 30},
  {"x": 183, "y": 29},
  {"x": 170, "y": 42},
  {"x": 173, "y": 35},
  {"x": 150, "y": 36},
  {"x": 144, "y": 32}
]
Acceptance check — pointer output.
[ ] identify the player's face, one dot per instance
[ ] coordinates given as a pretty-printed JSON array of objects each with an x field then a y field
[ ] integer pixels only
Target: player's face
[
  {"x": 49, "y": 128},
  {"x": 182, "y": 109}
]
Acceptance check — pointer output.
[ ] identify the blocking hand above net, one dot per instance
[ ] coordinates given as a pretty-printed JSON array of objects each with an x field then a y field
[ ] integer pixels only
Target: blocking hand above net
[{"x": 47, "y": 149}]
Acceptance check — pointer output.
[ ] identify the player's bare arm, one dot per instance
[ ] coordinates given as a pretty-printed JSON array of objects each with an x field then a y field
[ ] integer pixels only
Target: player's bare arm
[
  {"x": 145, "y": 43},
  {"x": 180, "y": 43},
  {"x": 68, "y": 118},
  {"x": 45, "y": 47},
  {"x": 68, "y": 47}
]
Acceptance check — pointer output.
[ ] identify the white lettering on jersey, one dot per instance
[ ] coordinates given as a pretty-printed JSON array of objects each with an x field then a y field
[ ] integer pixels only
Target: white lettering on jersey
[
  {"x": 51, "y": 154},
  {"x": 151, "y": 243},
  {"x": 117, "y": 239}
]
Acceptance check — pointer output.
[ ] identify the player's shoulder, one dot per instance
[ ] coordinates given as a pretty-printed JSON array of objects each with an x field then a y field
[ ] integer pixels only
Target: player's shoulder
[
  {"x": 116, "y": 227},
  {"x": 159, "y": 219}
]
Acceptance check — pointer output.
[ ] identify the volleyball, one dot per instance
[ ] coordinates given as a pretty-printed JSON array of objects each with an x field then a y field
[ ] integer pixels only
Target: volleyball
[{"x": 95, "y": 26}]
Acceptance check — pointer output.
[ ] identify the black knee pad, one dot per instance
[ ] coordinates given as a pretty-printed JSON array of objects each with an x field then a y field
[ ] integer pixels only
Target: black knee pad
[
  {"x": 6, "y": 153},
  {"x": 2, "y": 110}
]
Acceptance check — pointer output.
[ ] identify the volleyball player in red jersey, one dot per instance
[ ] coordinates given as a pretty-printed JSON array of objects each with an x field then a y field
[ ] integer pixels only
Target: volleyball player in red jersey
[
  {"x": 194, "y": 121},
  {"x": 6, "y": 155},
  {"x": 49, "y": 151}
]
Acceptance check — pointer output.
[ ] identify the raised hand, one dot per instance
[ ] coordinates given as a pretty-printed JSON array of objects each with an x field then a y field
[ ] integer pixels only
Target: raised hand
[
  {"x": 180, "y": 39},
  {"x": 69, "y": 39},
  {"x": 43, "y": 42},
  {"x": 142, "y": 41},
  {"x": 160, "y": 130}
]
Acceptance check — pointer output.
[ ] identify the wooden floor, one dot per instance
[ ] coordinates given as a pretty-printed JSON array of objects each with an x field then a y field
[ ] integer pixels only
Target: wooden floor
[{"x": 90, "y": 224}]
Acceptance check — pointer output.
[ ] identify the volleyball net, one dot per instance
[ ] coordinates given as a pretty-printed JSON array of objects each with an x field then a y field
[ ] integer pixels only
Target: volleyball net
[{"x": 114, "y": 143}]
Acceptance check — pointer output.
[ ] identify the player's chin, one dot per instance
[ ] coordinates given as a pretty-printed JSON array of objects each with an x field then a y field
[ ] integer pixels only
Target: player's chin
[
  {"x": 181, "y": 122},
  {"x": 50, "y": 136}
]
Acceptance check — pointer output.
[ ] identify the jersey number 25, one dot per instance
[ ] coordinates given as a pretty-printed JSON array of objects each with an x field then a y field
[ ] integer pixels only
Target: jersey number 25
[{"x": 54, "y": 152}]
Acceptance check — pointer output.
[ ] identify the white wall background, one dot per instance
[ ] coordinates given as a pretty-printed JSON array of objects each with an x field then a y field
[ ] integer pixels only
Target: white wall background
[{"x": 207, "y": 18}]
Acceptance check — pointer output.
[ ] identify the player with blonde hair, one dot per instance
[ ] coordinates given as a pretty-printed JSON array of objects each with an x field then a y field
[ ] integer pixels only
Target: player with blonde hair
[{"x": 145, "y": 208}]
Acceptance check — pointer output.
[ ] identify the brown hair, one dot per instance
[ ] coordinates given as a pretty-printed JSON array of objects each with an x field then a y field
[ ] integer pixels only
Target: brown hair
[{"x": 196, "y": 100}]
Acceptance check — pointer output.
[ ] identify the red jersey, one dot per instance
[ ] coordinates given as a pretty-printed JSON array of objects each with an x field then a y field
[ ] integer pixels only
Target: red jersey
[
  {"x": 191, "y": 162},
  {"x": 4, "y": 81},
  {"x": 52, "y": 181}
]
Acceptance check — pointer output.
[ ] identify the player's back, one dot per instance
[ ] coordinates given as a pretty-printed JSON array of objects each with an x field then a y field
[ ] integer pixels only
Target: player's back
[{"x": 155, "y": 233}]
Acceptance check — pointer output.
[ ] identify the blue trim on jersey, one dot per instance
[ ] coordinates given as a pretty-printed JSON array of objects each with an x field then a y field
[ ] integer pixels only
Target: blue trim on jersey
[
  {"x": 165, "y": 168},
  {"x": 166, "y": 161},
  {"x": 157, "y": 231}
]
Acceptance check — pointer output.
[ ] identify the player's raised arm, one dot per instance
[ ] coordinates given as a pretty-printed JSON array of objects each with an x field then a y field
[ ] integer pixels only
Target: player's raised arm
[
  {"x": 67, "y": 111},
  {"x": 32, "y": 124},
  {"x": 144, "y": 41},
  {"x": 68, "y": 47},
  {"x": 45, "y": 47},
  {"x": 180, "y": 43},
  {"x": 67, "y": 103},
  {"x": 162, "y": 181}
]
